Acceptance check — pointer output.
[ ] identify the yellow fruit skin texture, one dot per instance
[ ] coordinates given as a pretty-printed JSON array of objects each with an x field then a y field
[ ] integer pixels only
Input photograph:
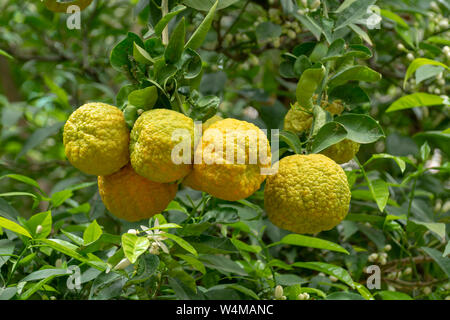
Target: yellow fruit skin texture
[
  {"x": 151, "y": 145},
  {"x": 308, "y": 194},
  {"x": 224, "y": 179},
  {"x": 297, "y": 120},
  {"x": 96, "y": 139},
  {"x": 343, "y": 151},
  {"x": 131, "y": 197},
  {"x": 210, "y": 121}
]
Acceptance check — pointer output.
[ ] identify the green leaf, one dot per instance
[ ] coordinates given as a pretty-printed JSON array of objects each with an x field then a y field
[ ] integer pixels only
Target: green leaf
[
  {"x": 43, "y": 219},
  {"x": 439, "y": 40},
  {"x": 92, "y": 233},
  {"x": 351, "y": 11},
  {"x": 7, "y": 293},
  {"x": 329, "y": 269},
  {"x": 447, "y": 250},
  {"x": 292, "y": 140},
  {"x": 58, "y": 198},
  {"x": 310, "y": 24},
  {"x": 349, "y": 93},
  {"x": 344, "y": 296},
  {"x": 418, "y": 99},
  {"x": 394, "y": 17},
  {"x": 311, "y": 242},
  {"x": 400, "y": 162},
  {"x": 363, "y": 34},
  {"x": 140, "y": 55},
  {"x": 393, "y": 295},
  {"x": 197, "y": 264},
  {"x": 363, "y": 291},
  {"x": 418, "y": 63},
  {"x": 354, "y": 73},
  {"x": 307, "y": 85},
  {"x": 16, "y": 194},
  {"x": 437, "y": 138},
  {"x": 176, "y": 43},
  {"x": 63, "y": 99},
  {"x": 6, "y": 248},
  {"x": 244, "y": 246},
  {"x": 24, "y": 179},
  {"x": 69, "y": 249},
  {"x": 39, "y": 136},
  {"x": 6, "y": 54},
  {"x": 222, "y": 264},
  {"x": 46, "y": 273},
  {"x": 360, "y": 128},
  {"x": 123, "y": 50},
  {"x": 182, "y": 243},
  {"x": 205, "y": 5},
  {"x": 426, "y": 72},
  {"x": 134, "y": 246},
  {"x": 239, "y": 288},
  {"x": 436, "y": 227},
  {"x": 166, "y": 19},
  {"x": 27, "y": 294},
  {"x": 380, "y": 192},
  {"x": 330, "y": 134},
  {"x": 10, "y": 225},
  {"x": 144, "y": 98},
  {"x": 200, "y": 33}
]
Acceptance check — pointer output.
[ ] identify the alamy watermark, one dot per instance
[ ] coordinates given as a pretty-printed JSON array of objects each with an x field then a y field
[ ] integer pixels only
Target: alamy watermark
[{"x": 72, "y": 8}]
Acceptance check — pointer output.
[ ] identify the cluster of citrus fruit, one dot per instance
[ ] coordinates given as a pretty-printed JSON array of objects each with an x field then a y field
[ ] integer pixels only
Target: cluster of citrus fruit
[{"x": 139, "y": 169}]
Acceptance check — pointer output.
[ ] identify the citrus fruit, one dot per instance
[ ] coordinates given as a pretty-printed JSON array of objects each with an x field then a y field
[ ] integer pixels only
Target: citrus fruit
[
  {"x": 343, "y": 151},
  {"x": 308, "y": 194},
  {"x": 230, "y": 160},
  {"x": 131, "y": 197},
  {"x": 160, "y": 138},
  {"x": 96, "y": 139}
]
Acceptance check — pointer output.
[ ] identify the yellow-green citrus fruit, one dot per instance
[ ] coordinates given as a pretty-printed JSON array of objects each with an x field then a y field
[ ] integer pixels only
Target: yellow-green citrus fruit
[
  {"x": 154, "y": 137},
  {"x": 299, "y": 120},
  {"x": 308, "y": 194},
  {"x": 96, "y": 139},
  {"x": 210, "y": 121},
  {"x": 335, "y": 108},
  {"x": 234, "y": 172},
  {"x": 131, "y": 197},
  {"x": 343, "y": 151}
]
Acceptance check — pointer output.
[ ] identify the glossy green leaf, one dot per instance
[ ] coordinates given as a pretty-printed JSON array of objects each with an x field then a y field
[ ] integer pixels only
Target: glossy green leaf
[
  {"x": 11, "y": 225},
  {"x": 144, "y": 98},
  {"x": 418, "y": 63},
  {"x": 330, "y": 134},
  {"x": 393, "y": 295},
  {"x": 361, "y": 128},
  {"x": 166, "y": 19},
  {"x": 310, "y": 242},
  {"x": 176, "y": 43},
  {"x": 329, "y": 269},
  {"x": 134, "y": 246},
  {"x": 182, "y": 243},
  {"x": 354, "y": 73},
  {"x": 44, "y": 220},
  {"x": 92, "y": 233},
  {"x": 418, "y": 99},
  {"x": 199, "y": 35}
]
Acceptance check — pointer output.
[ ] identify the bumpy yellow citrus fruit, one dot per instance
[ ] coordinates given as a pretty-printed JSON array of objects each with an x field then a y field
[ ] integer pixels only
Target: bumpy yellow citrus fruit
[
  {"x": 210, "y": 121},
  {"x": 299, "y": 120},
  {"x": 308, "y": 194},
  {"x": 230, "y": 160},
  {"x": 96, "y": 139},
  {"x": 343, "y": 151},
  {"x": 160, "y": 138},
  {"x": 131, "y": 197}
]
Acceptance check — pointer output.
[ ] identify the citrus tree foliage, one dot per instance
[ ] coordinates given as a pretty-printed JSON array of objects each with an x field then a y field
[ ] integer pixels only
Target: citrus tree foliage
[{"x": 385, "y": 62}]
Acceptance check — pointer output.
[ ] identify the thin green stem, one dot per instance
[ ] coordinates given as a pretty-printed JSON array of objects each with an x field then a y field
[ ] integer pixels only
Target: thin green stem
[{"x": 16, "y": 264}]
